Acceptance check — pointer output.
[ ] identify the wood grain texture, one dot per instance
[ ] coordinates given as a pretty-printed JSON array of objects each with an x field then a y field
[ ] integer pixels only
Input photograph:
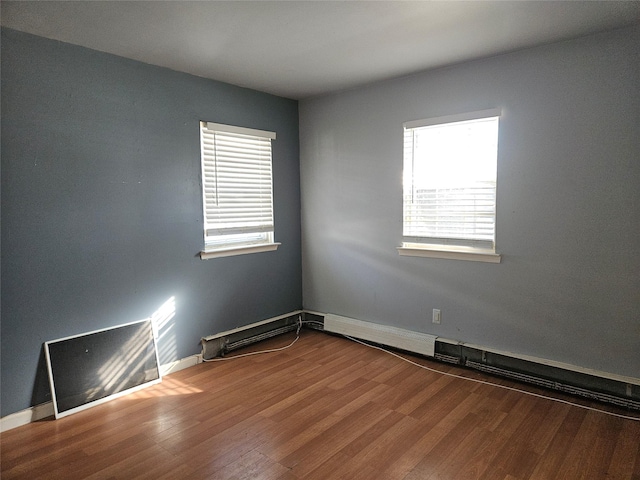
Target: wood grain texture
[{"x": 327, "y": 408}]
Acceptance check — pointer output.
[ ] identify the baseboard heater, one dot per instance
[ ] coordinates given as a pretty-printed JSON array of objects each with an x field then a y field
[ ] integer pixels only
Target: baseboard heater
[
  {"x": 541, "y": 382},
  {"x": 607, "y": 390},
  {"x": 219, "y": 344}
]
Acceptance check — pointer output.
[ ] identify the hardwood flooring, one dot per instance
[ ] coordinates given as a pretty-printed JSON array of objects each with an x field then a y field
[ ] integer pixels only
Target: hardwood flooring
[{"x": 326, "y": 408}]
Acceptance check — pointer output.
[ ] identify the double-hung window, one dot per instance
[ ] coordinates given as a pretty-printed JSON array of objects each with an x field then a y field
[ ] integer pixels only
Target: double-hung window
[
  {"x": 237, "y": 190},
  {"x": 449, "y": 186}
]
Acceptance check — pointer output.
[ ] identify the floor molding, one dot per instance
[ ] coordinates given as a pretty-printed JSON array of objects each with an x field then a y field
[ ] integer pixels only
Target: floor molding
[{"x": 45, "y": 410}]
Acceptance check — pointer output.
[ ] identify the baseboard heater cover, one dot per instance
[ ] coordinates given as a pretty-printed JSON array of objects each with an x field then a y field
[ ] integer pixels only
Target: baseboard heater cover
[
  {"x": 415, "y": 342},
  {"x": 221, "y": 343}
]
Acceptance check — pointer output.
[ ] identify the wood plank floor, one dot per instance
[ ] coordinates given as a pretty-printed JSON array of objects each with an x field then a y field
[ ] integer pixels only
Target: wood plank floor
[{"x": 326, "y": 408}]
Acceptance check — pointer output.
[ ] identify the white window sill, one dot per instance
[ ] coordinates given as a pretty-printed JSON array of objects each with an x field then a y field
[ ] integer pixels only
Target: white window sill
[
  {"x": 241, "y": 250},
  {"x": 450, "y": 252}
]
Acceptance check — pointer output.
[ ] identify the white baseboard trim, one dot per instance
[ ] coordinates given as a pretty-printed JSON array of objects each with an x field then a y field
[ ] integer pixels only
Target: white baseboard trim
[
  {"x": 23, "y": 417},
  {"x": 44, "y": 410},
  {"x": 172, "y": 367}
]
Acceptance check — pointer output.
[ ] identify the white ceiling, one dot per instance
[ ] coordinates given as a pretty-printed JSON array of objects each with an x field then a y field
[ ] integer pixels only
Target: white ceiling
[{"x": 299, "y": 49}]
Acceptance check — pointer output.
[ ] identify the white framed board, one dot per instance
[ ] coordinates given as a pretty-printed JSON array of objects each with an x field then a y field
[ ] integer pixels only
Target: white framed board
[{"x": 91, "y": 368}]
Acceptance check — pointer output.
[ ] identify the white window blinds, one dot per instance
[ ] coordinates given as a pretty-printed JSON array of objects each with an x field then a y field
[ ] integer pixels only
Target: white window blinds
[
  {"x": 450, "y": 167},
  {"x": 237, "y": 185}
]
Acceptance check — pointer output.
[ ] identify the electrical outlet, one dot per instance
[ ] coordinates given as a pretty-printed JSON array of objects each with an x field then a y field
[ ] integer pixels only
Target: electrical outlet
[{"x": 436, "y": 316}]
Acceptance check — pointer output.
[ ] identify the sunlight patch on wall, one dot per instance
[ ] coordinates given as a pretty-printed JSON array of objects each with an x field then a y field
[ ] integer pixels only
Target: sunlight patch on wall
[{"x": 163, "y": 320}]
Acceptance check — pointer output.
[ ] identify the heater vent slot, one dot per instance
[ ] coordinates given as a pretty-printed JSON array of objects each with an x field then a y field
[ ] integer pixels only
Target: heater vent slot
[{"x": 447, "y": 358}]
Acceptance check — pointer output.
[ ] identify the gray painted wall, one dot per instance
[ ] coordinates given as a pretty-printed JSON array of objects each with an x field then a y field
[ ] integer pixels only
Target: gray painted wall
[
  {"x": 102, "y": 209},
  {"x": 568, "y": 212}
]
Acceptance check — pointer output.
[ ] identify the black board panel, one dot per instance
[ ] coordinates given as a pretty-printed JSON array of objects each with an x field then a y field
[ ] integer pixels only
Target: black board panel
[{"x": 88, "y": 369}]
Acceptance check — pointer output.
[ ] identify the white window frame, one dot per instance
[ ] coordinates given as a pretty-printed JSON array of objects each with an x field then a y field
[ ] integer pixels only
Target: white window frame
[
  {"x": 421, "y": 239},
  {"x": 237, "y": 190}
]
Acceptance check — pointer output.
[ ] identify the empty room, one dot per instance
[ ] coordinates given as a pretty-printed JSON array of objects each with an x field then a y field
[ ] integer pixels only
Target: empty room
[{"x": 320, "y": 239}]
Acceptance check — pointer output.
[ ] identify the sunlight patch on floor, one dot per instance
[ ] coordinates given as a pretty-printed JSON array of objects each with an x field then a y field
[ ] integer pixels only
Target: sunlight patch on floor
[{"x": 168, "y": 387}]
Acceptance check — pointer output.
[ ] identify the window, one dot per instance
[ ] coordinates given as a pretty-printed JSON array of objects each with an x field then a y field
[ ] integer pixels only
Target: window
[
  {"x": 237, "y": 190},
  {"x": 449, "y": 186}
]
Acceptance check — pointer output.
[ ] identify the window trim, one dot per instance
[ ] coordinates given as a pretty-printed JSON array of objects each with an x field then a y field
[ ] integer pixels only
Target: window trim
[
  {"x": 456, "y": 249},
  {"x": 449, "y": 252},
  {"x": 458, "y": 117},
  {"x": 239, "y": 250},
  {"x": 241, "y": 246}
]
